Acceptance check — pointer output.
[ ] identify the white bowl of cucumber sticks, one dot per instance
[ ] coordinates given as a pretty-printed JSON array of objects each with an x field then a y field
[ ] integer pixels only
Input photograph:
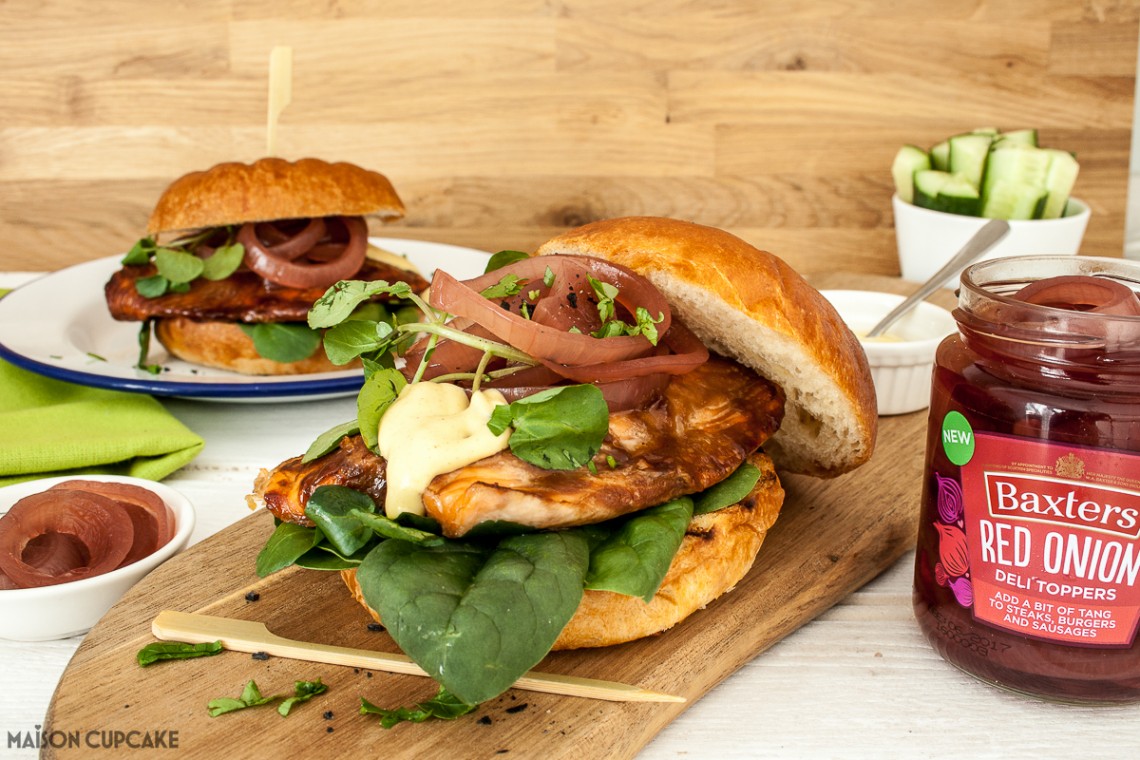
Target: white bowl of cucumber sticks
[{"x": 945, "y": 194}]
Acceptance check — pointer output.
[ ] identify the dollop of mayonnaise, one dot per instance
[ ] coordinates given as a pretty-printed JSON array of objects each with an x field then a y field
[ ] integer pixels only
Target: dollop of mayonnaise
[{"x": 431, "y": 429}]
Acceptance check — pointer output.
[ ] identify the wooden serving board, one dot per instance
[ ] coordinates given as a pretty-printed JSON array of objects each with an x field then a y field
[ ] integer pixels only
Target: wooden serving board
[{"x": 831, "y": 538}]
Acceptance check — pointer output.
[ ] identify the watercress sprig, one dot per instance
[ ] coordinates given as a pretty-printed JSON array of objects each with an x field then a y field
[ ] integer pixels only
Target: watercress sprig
[{"x": 177, "y": 265}]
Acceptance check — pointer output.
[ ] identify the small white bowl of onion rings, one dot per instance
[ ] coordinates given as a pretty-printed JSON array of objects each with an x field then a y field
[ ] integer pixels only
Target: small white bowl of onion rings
[{"x": 73, "y": 556}]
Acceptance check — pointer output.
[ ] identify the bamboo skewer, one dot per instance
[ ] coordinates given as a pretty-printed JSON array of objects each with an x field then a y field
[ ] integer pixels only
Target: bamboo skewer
[
  {"x": 280, "y": 92},
  {"x": 251, "y": 636}
]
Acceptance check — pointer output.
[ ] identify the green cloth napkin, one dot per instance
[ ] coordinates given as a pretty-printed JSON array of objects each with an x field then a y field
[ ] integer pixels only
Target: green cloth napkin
[{"x": 50, "y": 427}]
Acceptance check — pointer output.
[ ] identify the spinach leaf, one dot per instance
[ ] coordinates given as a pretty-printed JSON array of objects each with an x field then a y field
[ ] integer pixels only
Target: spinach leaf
[
  {"x": 633, "y": 560},
  {"x": 287, "y": 543},
  {"x": 380, "y": 389},
  {"x": 728, "y": 491},
  {"x": 386, "y": 527},
  {"x": 503, "y": 258},
  {"x": 175, "y": 650},
  {"x": 474, "y": 618},
  {"x": 556, "y": 429},
  {"x": 325, "y": 557},
  {"x": 328, "y": 441},
  {"x": 443, "y": 706},
  {"x": 354, "y": 337},
  {"x": 339, "y": 301},
  {"x": 283, "y": 341},
  {"x": 334, "y": 510}
]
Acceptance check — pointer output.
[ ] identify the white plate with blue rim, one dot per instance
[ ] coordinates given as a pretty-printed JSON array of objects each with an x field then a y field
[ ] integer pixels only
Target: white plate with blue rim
[{"x": 58, "y": 326}]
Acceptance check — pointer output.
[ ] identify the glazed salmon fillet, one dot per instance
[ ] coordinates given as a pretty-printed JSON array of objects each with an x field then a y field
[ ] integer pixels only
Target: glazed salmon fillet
[
  {"x": 705, "y": 425},
  {"x": 242, "y": 297}
]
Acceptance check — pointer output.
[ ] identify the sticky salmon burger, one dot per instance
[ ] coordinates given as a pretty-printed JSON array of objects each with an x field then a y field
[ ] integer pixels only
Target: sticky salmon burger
[
  {"x": 576, "y": 449},
  {"x": 250, "y": 248}
]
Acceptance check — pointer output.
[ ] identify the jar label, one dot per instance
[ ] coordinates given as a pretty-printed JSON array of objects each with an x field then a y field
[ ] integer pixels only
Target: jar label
[{"x": 1044, "y": 539}]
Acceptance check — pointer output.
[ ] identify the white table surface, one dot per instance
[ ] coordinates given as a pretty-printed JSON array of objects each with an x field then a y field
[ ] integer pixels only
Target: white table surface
[{"x": 860, "y": 681}]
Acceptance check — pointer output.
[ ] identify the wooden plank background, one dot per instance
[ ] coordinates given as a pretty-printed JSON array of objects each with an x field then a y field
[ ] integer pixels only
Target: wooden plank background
[{"x": 503, "y": 121}]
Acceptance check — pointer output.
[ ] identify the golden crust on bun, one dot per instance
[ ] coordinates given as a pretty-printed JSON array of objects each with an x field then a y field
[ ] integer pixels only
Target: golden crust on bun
[
  {"x": 271, "y": 189},
  {"x": 748, "y": 304},
  {"x": 716, "y": 553},
  {"x": 225, "y": 346}
]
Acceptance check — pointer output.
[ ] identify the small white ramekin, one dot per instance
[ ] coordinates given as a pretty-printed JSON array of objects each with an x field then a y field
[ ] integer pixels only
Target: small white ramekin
[
  {"x": 69, "y": 609},
  {"x": 903, "y": 360}
]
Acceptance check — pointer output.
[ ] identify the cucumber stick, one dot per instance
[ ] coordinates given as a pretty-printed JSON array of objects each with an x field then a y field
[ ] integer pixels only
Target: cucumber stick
[
  {"x": 940, "y": 156},
  {"x": 1019, "y": 137},
  {"x": 986, "y": 172},
  {"x": 943, "y": 191},
  {"x": 1063, "y": 169},
  {"x": 1014, "y": 186},
  {"x": 908, "y": 160},
  {"x": 968, "y": 155}
]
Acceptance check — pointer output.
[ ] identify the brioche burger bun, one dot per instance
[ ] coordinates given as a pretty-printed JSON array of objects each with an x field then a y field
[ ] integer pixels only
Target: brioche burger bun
[
  {"x": 751, "y": 307},
  {"x": 267, "y": 202}
]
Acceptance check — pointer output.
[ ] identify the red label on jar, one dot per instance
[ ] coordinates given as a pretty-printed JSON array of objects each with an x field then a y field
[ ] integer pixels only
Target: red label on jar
[{"x": 1046, "y": 543}]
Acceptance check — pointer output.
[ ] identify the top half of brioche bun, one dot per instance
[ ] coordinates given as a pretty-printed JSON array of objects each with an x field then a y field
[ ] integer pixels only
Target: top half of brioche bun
[
  {"x": 750, "y": 305},
  {"x": 270, "y": 189}
]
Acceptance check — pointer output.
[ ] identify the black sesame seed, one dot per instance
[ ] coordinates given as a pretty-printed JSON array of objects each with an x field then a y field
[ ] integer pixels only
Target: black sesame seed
[
  {"x": 329, "y": 729},
  {"x": 375, "y": 627},
  {"x": 260, "y": 655},
  {"x": 328, "y": 714},
  {"x": 252, "y": 596},
  {"x": 517, "y": 708},
  {"x": 572, "y": 299}
]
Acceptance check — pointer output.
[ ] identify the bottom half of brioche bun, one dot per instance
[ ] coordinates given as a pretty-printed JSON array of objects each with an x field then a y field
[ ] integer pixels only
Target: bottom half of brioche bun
[
  {"x": 224, "y": 345},
  {"x": 717, "y": 552}
]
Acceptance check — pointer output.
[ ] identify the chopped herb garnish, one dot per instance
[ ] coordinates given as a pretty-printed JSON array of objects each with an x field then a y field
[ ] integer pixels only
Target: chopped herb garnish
[
  {"x": 175, "y": 650},
  {"x": 509, "y": 285},
  {"x": 443, "y": 706},
  {"x": 303, "y": 691},
  {"x": 251, "y": 696}
]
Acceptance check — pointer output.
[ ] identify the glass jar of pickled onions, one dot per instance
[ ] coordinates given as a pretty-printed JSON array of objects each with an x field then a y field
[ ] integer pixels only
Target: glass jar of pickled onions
[{"x": 1027, "y": 572}]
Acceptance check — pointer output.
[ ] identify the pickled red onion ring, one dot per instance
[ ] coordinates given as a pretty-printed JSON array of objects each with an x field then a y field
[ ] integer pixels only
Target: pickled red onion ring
[
  {"x": 629, "y": 370},
  {"x": 545, "y": 342},
  {"x": 292, "y": 247},
  {"x": 1082, "y": 293},
  {"x": 688, "y": 354},
  {"x": 152, "y": 519},
  {"x": 298, "y": 274},
  {"x": 55, "y": 553},
  {"x": 101, "y": 526}
]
